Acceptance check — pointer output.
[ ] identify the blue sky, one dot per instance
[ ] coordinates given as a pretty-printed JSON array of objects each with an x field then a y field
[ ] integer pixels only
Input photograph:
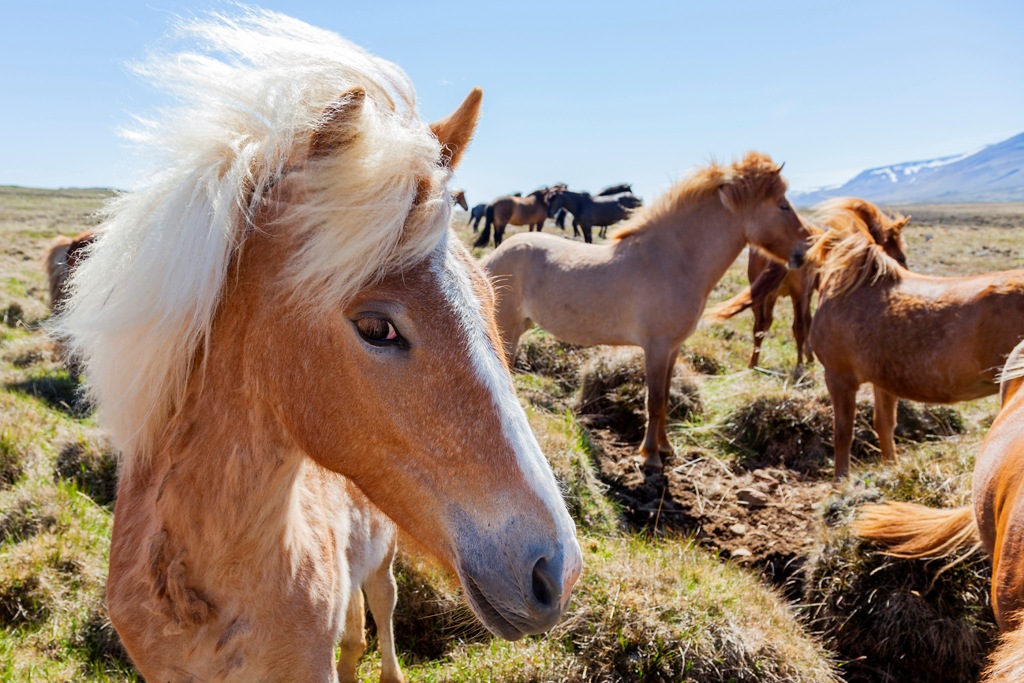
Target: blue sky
[{"x": 580, "y": 92}]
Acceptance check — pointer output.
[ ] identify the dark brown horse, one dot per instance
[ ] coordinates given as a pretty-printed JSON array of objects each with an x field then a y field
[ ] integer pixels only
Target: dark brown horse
[{"x": 530, "y": 210}]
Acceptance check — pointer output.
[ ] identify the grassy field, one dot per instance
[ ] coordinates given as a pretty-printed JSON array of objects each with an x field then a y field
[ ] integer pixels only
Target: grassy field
[{"x": 683, "y": 581}]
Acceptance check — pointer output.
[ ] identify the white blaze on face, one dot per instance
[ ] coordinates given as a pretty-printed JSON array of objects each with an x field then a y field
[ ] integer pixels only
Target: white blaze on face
[{"x": 458, "y": 290}]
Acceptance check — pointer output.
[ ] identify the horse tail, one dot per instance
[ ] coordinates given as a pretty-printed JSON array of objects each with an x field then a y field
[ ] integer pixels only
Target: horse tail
[
  {"x": 916, "y": 531},
  {"x": 485, "y": 234},
  {"x": 766, "y": 284},
  {"x": 57, "y": 267},
  {"x": 730, "y": 308},
  {"x": 1006, "y": 665}
]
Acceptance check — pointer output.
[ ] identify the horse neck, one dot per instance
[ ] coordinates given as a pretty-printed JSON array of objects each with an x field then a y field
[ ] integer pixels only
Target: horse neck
[
  {"x": 228, "y": 477},
  {"x": 703, "y": 236},
  {"x": 573, "y": 201}
]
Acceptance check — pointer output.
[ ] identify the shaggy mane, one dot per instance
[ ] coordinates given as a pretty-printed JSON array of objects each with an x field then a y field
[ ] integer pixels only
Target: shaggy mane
[
  {"x": 250, "y": 92},
  {"x": 850, "y": 213},
  {"x": 751, "y": 179},
  {"x": 848, "y": 260}
]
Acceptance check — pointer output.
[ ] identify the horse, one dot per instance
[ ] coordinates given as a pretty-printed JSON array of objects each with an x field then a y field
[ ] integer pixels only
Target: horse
[
  {"x": 843, "y": 213},
  {"x": 587, "y": 210},
  {"x": 994, "y": 521},
  {"x": 278, "y": 317},
  {"x": 459, "y": 199},
  {"x": 624, "y": 193},
  {"x": 63, "y": 256},
  {"x": 919, "y": 337},
  {"x": 662, "y": 264},
  {"x": 530, "y": 210},
  {"x": 476, "y": 215}
]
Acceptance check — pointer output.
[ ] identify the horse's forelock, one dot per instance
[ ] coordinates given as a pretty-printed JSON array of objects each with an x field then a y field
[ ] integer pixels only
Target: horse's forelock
[{"x": 252, "y": 90}]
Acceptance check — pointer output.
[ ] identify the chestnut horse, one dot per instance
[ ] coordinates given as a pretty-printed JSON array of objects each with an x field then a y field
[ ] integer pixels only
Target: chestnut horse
[
  {"x": 459, "y": 199},
  {"x": 661, "y": 264},
  {"x": 995, "y": 521},
  {"x": 919, "y": 337},
  {"x": 530, "y": 210},
  {"x": 843, "y": 213},
  {"x": 281, "y": 314}
]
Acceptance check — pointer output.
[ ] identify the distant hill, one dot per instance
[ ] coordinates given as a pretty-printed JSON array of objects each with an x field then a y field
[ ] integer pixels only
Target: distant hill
[{"x": 992, "y": 174}]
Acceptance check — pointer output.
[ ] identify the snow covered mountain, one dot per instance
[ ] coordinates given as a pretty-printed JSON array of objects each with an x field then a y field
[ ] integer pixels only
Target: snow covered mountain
[{"x": 991, "y": 174}]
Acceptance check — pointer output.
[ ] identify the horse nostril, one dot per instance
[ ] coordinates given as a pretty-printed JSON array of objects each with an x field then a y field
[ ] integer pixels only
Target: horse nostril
[{"x": 545, "y": 586}]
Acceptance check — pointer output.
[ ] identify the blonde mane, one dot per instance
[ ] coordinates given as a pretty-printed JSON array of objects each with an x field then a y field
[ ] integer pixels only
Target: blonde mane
[
  {"x": 742, "y": 183},
  {"x": 849, "y": 259},
  {"x": 250, "y": 92},
  {"x": 1014, "y": 367}
]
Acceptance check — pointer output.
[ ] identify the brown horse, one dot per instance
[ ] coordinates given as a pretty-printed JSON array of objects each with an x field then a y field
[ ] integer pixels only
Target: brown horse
[
  {"x": 661, "y": 266},
  {"x": 62, "y": 257},
  {"x": 269, "y": 326},
  {"x": 459, "y": 199},
  {"x": 924, "y": 338},
  {"x": 995, "y": 522},
  {"x": 774, "y": 280},
  {"x": 530, "y": 210}
]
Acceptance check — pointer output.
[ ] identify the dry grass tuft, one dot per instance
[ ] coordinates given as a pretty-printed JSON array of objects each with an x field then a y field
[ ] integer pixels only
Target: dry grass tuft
[
  {"x": 92, "y": 465},
  {"x": 655, "y": 612},
  {"x": 613, "y": 393},
  {"x": 901, "y": 620},
  {"x": 542, "y": 354}
]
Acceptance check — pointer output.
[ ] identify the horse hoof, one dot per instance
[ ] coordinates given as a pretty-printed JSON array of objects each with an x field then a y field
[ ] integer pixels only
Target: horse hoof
[{"x": 652, "y": 463}]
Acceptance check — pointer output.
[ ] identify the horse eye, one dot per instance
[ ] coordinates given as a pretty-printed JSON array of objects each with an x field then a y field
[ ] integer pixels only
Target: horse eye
[
  {"x": 784, "y": 206},
  {"x": 378, "y": 331}
]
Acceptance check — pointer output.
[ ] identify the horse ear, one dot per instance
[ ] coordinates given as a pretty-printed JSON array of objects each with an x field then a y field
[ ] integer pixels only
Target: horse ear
[
  {"x": 778, "y": 171},
  {"x": 337, "y": 125},
  {"x": 902, "y": 223},
  {"x": 456, "y": 130}
]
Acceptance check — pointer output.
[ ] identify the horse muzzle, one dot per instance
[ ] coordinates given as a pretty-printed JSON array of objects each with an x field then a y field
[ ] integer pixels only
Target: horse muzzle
[
  {"x": 798, "y": 257},
  {"x": 526, "y": 599}
]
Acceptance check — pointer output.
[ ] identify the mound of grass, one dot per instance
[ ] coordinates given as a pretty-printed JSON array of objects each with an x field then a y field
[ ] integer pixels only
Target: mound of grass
[
  {"x": 652, "y": 611},
  {"x": 92, "y": 465},
  {"x": 613, "y": 393},
  {"x": 791, "y": 429},
  {"x": 893, "y": 619},
  {"x": 542, "y": 354}
]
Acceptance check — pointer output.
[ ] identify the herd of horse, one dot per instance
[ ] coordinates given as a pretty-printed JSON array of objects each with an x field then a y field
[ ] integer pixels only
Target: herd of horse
[
  {"x": 608, "y": 207},
  {"x": 297, "y": 357}
]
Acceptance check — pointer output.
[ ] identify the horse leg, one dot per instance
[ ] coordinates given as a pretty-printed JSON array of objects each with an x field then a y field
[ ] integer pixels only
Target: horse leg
[
  {"x": 587, "y": 236},
  {"x": 540, "y": 226},
  {"x": 657, "y": 364},
  {"x": 353, "y": 638},
  {"x": 664, "y": 445},
  {"x": 499, "y": 234},
  {"x": 885, "y": 423},
  {"x": 843, "y": 392},
  {"x": 382, "y": 595},
  {"x": 802, "y": 325},
  {"x": 764, "y": 315}
]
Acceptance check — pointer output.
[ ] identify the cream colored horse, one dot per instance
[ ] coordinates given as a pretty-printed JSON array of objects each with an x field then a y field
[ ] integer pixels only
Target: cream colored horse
[
  {"x": 278, "y": 315},
  {"x": 649, "y": 286}
]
